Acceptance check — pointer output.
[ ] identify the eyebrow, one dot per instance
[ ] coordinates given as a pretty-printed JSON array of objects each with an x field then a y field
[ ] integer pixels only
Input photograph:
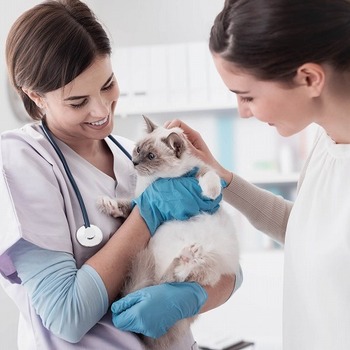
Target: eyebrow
[
  {"x": 72, "y": 98},
  {"x": 240, "y": 92}
]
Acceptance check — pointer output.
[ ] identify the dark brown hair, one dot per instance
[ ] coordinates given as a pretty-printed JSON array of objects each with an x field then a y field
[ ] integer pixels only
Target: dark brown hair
[
  {"x": 50, "y": 45},
  {"x": 272, "y": 38}
]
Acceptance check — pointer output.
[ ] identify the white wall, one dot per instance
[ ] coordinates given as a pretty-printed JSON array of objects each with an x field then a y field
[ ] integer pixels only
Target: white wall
[
  {"x": 9, "y": 12},
  {"x": 140, "y": 22}
]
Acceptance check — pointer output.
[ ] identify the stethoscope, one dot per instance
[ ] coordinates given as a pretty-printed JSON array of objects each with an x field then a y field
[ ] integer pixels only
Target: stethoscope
[{"x": 87, "y": 235}]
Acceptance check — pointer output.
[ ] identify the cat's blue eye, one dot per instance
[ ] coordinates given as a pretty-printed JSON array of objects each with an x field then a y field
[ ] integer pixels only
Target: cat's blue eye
[
  {"x": 138, "y": 149},
  {"x": 150, "y": 156}
]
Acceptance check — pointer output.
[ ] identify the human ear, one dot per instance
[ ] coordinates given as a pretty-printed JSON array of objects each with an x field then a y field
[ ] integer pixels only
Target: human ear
[
  {"x": 35, "y": 97},
  {"x": 312, "y": 76}
]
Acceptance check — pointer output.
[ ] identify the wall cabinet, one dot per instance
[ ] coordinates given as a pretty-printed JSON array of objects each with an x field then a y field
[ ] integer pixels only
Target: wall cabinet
[{"x": 168, "y": 78}]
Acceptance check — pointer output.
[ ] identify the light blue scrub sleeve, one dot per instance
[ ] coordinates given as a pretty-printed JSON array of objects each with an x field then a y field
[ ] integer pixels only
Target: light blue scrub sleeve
[
  {"x": 239, "y": 279},
  {"x": 70, "y": 301}
]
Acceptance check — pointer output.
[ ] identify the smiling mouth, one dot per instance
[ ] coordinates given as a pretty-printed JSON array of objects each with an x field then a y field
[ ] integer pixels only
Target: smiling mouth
[{"x": 100, "y": 122}]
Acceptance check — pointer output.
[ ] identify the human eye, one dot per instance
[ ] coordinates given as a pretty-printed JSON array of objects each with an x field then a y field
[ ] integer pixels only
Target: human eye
[
  {"x": 246, "y": 99},
  {"x": 79, "y": 105},
  {"x": 109, "y": 86}
]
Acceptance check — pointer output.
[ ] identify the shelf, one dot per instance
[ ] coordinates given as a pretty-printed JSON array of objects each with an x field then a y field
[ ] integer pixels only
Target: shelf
[
  {"x": 274, "y": 179},
  {"x": 178, "y": 110}
]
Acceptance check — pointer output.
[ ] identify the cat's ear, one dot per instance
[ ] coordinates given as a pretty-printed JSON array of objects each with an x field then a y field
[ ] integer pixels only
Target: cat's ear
[
  {"x": 149, "y": 124},
  {"x": 176, "y": 142}
]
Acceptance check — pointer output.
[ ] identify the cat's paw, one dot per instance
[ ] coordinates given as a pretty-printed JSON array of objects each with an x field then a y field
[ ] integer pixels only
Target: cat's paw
[
  {"x": 194, "y": 264},
  {"x": 110, "y": 206},
  {"x": 210, "y": 184},
  {"x": 190, "y": 258}
]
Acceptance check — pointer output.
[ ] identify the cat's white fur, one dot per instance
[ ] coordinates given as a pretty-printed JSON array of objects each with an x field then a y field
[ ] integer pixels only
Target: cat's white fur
[{"x": 200, "y": 249}]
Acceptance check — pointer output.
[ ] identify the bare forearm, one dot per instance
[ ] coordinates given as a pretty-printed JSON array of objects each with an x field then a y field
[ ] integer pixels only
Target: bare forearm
[
  {"x": 219, "y": 294},
  {"x": 113, "y": 260},
  {"x": 222, "y": 172}
]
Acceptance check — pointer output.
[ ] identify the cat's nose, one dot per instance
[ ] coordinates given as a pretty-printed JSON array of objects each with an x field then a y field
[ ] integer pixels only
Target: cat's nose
[{"x": 135, "y": 163}]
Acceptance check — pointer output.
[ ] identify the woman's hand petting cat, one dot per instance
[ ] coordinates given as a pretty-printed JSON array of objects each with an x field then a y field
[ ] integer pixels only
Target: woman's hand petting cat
[
  {"x": 177, "y": 198},
  {"x": 200, "y": 149}
]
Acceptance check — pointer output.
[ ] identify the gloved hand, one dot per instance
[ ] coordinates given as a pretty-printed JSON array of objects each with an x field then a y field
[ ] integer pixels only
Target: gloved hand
[
  {"x": 174, "y": 199},
  {"x": 153, "y": 310}
]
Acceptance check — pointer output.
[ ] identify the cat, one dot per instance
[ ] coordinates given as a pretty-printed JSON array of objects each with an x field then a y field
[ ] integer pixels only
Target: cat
[{"x": 200, "y": 249}]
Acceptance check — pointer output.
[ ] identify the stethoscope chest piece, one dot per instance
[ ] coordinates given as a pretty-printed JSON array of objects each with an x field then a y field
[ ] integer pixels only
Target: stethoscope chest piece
[{"x": 89, "y": 236}]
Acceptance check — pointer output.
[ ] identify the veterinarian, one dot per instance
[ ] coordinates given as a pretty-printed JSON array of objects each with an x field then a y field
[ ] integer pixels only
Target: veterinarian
[
  {"x": 61, "y": 260},
  {"x": 288, "y": 62}
]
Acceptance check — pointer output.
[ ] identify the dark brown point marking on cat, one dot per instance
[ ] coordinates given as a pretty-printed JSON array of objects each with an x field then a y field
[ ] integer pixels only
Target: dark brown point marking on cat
[
  {"x": 175, "y": 142},
  {"x": 150, "y": 126}
]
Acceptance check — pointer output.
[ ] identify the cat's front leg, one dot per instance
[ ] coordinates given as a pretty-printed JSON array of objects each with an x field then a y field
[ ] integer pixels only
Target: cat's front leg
[
  {"x": 210, "y": 183},
  {"x": 169, "y": 274},
  {"x": 116, "y": 208}
]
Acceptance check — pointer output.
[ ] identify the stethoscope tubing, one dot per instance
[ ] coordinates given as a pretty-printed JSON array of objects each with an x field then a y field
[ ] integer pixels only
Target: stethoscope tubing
[
  {"x": 53, "y": 143},
  {"x": 120, "y": 147},
  {"x": 68, "y": 172}
]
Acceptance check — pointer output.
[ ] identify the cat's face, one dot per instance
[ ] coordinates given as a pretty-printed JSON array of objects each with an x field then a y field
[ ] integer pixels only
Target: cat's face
[
  {"x": 154, "y": 155},
  {"x": 159, "y": 152}
]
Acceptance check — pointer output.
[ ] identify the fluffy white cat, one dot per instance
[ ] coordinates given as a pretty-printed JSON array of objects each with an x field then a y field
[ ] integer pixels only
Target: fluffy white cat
[{"x": 200, "y": 249}]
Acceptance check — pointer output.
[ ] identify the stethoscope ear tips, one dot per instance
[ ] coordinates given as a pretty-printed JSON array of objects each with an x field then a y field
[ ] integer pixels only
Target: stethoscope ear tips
[{"x": 89, "y": 236}]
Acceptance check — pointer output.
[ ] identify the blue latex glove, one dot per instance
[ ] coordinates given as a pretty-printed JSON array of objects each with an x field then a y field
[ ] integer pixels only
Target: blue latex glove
[
  {"x": 153, "y": 310},
  {"x": 174, "y": 199}
]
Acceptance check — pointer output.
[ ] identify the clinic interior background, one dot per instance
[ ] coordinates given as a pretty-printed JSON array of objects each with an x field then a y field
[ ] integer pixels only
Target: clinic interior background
[{"x": 164, "y": 69}]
